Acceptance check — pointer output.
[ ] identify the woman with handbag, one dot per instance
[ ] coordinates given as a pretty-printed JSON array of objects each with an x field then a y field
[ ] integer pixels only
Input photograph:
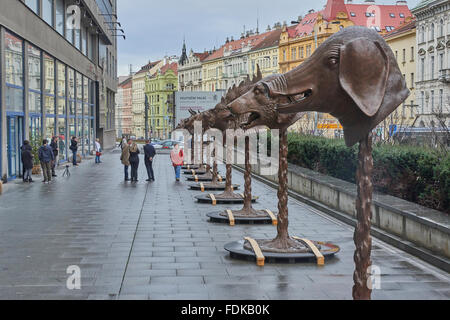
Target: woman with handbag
[
  {"x": 134, "y": 161},
  {"x": 98, "y": 151},
  {"x": 177, "y": 157}
]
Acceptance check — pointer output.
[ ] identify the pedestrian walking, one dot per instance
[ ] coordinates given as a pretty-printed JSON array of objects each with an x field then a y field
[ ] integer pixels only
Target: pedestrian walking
[
  {"x": 54, "y": 146},
  {"x": 27, "y": 161},
  {"x": 150, "y": 153},
  {"x": 177, "y": 157},
  {"x": 98, "y": 151},
  {"x": 74, "y": 148},
  {"x": 46, "y": 157},
  {"x": 125, "y": 158},
  {"x": 134, "y": 161},
  {"x": 23, "y": 148}
]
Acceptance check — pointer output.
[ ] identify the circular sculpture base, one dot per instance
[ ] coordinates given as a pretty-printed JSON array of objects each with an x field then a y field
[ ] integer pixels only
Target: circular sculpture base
[
  {"x": 238, "y": 250},
  {"x": 201, "y": 178},
  {"x": 199, "y": 173},
  {"x": 211, "y": 187},
  {"x": 222, "y": 217},
  {"x": 193, "y": 167},
  {"x": 205, "y": 198}
]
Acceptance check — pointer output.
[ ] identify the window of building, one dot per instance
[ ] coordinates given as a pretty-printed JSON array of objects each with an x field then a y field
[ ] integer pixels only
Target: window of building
[
  {"x": 353, "y": 14},
  {"x": 14, "y": 73},
  {"x": 284, "y": 55},
  {"x": 441, "y": 100},
  {"x": 422, "y": 69},
  {"x": 412, "y": 80},
  {"x": 77, "y": 39},
  {"x": 401, "y": 15},
  {"x": 49, "y": 84},
  {"x": 422, "y": 34},
  {"x": 412, "y": 54},
  {"x": 60, "y": 16},
  {"x": 432, "y": 32},
  {"x": 84, "y": 36},
  {"x": 432, "y": 101},
  {"x": 34, "y": 79},
  {"x": 422, "y": 101},
  {"x": 432, "y": 68},
  {"x": 404, "y": 55},
  {"x": 392, "y": 15},
  {"x": 294, "y": 54},
  {"x": 441, "y": 61},
  {"x": 47, "y": 11},
  {"x": 33, "y": 5}
]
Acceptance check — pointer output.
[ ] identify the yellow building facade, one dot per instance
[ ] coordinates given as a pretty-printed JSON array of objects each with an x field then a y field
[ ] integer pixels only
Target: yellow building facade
[{"x": 403, "y": 43}]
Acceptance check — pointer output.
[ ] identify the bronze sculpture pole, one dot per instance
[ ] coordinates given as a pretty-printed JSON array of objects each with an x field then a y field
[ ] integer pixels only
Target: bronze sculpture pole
[
  {"x": 362, "y": 237},
  {"x": 283, "y": 222},
  {"x": 247, "y": 177}
]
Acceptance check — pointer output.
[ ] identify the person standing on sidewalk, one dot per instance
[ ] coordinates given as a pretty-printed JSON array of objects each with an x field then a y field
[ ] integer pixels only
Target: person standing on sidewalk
[
  {"x": 98, "y": 150},
  {"x": 177, "y": 157},
  {"x": 46, "y": 158},
  {"x": 54, "y": 146},
  {"x": 134, "y": 161},
  {"x": 74, "y": 148},
  {"x": 27, "y": 161},
  {"x": 150, "y": 153},
  {"x": 125, "y": 158}
]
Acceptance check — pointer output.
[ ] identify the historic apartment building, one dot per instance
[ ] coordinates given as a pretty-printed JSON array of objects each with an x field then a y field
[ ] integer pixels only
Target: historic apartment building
[
  {"x": 190, "y": 70},
  {"x": 433, "y": 65},
  {"x": 124, "y": 106},
  {"x": 160, "y": 89},
  {"x": 138, "y": 96},
  {"x": 57, "y": 78}
]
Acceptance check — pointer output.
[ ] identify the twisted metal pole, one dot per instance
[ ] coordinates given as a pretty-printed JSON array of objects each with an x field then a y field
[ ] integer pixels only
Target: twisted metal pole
[{"x": 362, "y": 237}]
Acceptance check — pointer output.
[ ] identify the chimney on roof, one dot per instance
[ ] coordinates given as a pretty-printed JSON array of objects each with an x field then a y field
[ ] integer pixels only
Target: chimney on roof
[
  {"x": 228, "y": 40},
  {"x": 300, "y": 18},
  {"x": 311, "y": 11},
  {"x": 284, "y": 23},
  {"x": 268, "y": 28},
  {"x": 242, "y": 35},
  {"x": 232, "y": 39},
  {"x": 370, "y": 1},
  {"x": 349, "y": 1},
  {"x": 402, "y": 3}
]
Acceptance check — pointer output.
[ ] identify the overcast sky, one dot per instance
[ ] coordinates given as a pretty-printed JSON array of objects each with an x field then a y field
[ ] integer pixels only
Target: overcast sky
[{"x": 155, "y": 28}]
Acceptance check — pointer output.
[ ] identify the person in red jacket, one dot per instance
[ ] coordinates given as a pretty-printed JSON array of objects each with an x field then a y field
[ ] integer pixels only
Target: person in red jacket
[{"x": 177, "y": 157}]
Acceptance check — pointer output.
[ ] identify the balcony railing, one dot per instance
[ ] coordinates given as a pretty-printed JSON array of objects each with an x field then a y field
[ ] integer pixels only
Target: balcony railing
[{"x": 444, "y": 75}]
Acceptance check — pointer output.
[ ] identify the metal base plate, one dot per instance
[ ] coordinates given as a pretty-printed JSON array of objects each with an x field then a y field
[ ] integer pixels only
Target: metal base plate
[
  {"x": 237, "y": 251},
  {"x": 200, "y": 178},
  {"x": 205, "y": 198},
  {"x": 209, "y": 187},
  {"x": 196, "y": 172},
  {"x": 218, "y": 218}
]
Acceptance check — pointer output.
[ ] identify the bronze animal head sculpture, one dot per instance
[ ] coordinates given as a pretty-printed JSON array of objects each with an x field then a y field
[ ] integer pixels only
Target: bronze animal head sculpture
[{"x": 353, "y": 75}]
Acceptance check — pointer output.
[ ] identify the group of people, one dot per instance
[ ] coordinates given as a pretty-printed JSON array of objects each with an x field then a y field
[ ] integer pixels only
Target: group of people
[
  {"x": 130, "y": 157},
  {"x": 48, "y": 157}
]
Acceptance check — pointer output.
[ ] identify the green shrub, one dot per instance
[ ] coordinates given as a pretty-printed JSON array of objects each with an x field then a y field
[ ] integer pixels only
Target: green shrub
[{"x": 415, "y": 174}]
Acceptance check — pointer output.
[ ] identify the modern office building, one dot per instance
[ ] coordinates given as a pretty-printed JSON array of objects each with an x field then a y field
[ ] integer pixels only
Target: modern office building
[{"x": 58, "y": 63}]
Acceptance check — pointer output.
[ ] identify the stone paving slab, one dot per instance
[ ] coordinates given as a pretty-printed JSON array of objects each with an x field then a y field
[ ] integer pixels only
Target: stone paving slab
[{"x": 153, "y": 241}]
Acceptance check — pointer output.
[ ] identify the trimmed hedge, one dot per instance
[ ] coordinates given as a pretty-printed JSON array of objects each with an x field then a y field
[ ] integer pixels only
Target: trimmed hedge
[{"x": 415, "y": 174}]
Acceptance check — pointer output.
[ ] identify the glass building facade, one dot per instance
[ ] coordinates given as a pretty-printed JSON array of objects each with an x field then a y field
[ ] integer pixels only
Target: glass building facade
[{"x": 43, "y": 96}]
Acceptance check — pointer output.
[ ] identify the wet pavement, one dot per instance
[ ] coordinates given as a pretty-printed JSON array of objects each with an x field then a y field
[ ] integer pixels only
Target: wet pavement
[{"x": 153, "y": 241}]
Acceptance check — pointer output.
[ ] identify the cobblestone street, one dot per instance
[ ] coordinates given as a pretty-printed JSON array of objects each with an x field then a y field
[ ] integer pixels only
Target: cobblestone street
[{"x": 152, "y": 241}]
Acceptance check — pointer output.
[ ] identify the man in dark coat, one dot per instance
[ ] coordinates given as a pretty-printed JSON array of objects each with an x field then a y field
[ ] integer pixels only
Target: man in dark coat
[
  {"x": 74, "y": 148},
  {"x": 150, "y": 153},
  {"x": 54, "y": 146},
  {"x": 46, "y": 157},
  {"x": 27, "y": 161}
]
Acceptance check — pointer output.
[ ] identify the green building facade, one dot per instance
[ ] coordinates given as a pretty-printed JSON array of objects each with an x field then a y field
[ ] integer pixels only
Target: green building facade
[{"x": 160, "y": 91}]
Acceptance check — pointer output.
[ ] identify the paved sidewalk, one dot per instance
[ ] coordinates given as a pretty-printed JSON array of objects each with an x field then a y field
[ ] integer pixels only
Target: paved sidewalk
[{"x": 152, "y": 241}]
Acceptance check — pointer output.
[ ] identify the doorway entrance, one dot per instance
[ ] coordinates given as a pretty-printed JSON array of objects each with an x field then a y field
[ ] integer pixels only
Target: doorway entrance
[{"x": 14, "y": 140}]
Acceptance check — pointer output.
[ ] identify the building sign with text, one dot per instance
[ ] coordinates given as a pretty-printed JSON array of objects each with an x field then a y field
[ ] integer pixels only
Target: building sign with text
[{"x": 195, "y": 100}]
